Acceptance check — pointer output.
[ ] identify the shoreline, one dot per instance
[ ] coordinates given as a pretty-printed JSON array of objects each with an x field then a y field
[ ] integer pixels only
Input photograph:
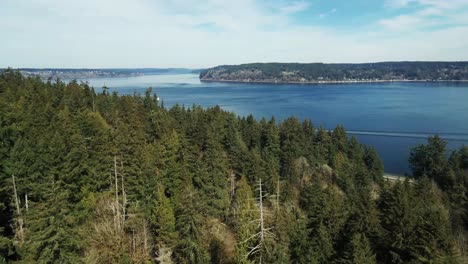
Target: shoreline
[
  {"x": 334, "y": 82},
  {"x": 395, "y": 177}
]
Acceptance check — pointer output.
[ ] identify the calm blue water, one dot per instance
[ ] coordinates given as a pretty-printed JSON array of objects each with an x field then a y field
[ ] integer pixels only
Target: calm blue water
[{"x": 392, "y": 117}]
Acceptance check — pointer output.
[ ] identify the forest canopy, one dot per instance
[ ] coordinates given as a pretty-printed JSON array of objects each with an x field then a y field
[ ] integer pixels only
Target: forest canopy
[
  {"x": 89, "y": 177},
  {"x": 338, "y": 72}
]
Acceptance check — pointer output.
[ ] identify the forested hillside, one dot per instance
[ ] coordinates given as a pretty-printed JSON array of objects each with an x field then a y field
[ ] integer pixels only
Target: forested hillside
[
  {"x": 90, "y": 177},
  {"x": 339, "y": 72}
]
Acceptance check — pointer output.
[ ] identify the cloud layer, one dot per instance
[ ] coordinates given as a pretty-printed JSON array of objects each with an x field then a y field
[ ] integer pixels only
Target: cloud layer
[
  {"x": 189, "y": 33},
  {"x": 427, "y": 14}
]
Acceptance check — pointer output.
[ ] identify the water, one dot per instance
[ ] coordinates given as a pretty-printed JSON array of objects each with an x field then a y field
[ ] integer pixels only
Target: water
[{"x": 392, "y": 117}]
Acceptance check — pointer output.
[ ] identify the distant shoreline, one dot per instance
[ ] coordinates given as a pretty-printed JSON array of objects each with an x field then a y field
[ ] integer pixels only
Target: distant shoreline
[
  {"x": 396, "y": 177},
  {"x": 332, "y": 82}
]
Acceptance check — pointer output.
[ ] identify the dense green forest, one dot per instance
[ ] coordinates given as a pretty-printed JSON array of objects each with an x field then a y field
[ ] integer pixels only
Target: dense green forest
[
  {"x": 321, "y": 72},
  {"x": 90, "y": 177}
]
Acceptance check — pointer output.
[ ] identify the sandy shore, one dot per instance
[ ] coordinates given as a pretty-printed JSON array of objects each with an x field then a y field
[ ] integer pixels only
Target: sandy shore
[{"x": 393, "y": 177}]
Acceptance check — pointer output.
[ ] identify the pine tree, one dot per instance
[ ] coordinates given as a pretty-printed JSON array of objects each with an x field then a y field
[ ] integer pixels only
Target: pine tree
[
  {"x": 322, "y": 141},
  {"x": 322, "y": 245},
  {"x": 244, "y": 215},
  {"x": 251, "y": 132},
  {"x": 52, "y": 236},
  {"x": 301, "y": 244},
  {"x": 429, "y": 160},
  {"x": 398, "y": 222},
  {"x": 162, "y": 223},
  {"x": 340, "y": 139},
  {"x": 212, "y": 178},
  {"x": 291, "y": 140},
  {"x": 374, "y": 164},
  {"x": 270, "y": 142},
  {"x": 360, "y": 251},
  {"x": 172, "y": 177},
  {"x": 189, "y": 221}
]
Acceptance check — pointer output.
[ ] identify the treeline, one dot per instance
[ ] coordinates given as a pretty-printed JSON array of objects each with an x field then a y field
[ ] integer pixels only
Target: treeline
[
  {"x": 90, "y": 177},
  {"x": 320, "y": 72}
]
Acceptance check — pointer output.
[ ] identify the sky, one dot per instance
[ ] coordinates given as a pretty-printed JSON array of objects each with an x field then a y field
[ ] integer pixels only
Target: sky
[{"x": 198, "y": 34}]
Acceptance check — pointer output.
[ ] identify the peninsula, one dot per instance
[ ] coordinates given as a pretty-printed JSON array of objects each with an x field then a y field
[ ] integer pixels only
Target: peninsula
[{"x": 337, "y": 73}]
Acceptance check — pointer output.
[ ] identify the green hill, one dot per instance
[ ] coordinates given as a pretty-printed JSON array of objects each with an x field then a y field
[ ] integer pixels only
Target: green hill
[{"x": 320, "y": 72}]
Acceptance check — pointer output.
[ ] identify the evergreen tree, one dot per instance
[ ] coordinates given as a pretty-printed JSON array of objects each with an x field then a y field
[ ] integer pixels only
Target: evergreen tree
[
  {"x": 52, "y": 236},
  {"x": 322, "y": 245},
  {"x": 162, "y": 220},
  {"x": 244, "y": 216},
  {"x": 163, "y": 225},
  {"x": 190, "y": 247},
  {"x": 398, "y": 223},
  {"x": 212, "y": 179},
  {"x": 360, "y": 251},
  {"x": 172, "y": 176},
  {"x": 429, "y": 160},
  {"x": 374, "y": 165}
]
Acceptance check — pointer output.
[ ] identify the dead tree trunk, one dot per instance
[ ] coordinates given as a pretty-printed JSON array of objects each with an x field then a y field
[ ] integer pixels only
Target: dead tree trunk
[
  {"x": 26, "y": 202},
  {"x": 133, "y": 242},
  {"x": 262, "y": 222},
  {"x": 277, "y": 193},
  {"x": 263, "y": 232},
  {"x": 124, "y": 196},
  {"x": 117, "y": 205},
  {"x": 19, "y": 219},
  {"x": 145, "y": 239}
]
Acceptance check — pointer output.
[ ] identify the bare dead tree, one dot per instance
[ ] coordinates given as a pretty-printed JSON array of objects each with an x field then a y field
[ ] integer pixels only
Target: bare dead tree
[
  {"x": 277, "y": 193},
  {"x": 145, "y": 239},
  {"x": 26, "y": 202},
  {"x": 117, "y": 204},
  {"x": 19, "y": 219},
  {"x": 260, "y": 205},
  {"x": 133, "y": 241},
  {"x": 124, "y": 196},
  {"x": 164, "y": 255},
  {"x": 263, "y": 232}
]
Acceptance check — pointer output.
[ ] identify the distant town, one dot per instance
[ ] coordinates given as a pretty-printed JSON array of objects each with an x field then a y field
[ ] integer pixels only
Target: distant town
[{"x": 68, "y": 74}]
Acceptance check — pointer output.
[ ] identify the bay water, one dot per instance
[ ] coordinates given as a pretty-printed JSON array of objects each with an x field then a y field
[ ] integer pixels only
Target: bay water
[{"x": 391, "y": 117}]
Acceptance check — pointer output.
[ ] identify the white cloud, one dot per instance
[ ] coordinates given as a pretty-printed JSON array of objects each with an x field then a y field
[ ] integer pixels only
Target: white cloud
[
  {"x": 426, "y": 15},
  {"x": 402, "y": 22},
  {"x": 445, "y": 4},
  {"x": 397, "y": 3},
  {"x": 185, "y": 33},
  {"x": 294, "y": 7},
  {"x": 324, "y": 15}
]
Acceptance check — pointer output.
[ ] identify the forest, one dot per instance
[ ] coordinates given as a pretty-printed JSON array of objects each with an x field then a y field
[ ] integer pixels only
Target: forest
[
  {"x": 98, "y": 177},
  {"x": 338, "y": 72}
]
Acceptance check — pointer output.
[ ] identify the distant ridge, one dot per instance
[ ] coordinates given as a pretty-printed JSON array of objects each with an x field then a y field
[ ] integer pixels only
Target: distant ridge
[{"x": 338, "y": 72}]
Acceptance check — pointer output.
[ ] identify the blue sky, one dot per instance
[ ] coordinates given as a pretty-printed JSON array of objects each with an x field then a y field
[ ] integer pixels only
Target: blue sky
[{"x": 190, "y": 33}]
